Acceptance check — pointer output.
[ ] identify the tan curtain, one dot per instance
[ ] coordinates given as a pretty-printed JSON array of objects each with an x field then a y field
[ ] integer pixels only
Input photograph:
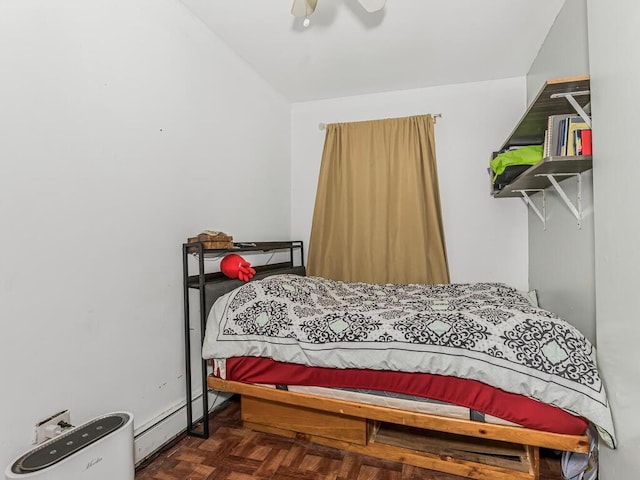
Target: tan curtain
[{"x": 377, "y": 214}]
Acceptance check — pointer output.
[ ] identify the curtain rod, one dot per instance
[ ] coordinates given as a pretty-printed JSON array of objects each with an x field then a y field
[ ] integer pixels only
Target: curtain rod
[{"x": 435, "y": 116}]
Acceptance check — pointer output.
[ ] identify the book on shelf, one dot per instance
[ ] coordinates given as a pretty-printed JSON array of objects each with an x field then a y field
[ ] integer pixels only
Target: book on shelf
[
  {"x": 573, "y": 125},
  {"x": 546, "y": 144},
  {"x": 561, "y": 135},
  {"x": 583, "y": 141},
  {"x": 553, "y": 134}
]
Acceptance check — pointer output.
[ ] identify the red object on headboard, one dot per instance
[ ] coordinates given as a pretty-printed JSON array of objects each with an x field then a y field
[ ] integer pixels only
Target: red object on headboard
[{"x": 234, "y": 266}]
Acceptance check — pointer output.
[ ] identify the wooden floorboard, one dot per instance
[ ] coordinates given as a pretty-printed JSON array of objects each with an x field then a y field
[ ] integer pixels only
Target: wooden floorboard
[{"x": 234, "y": 453}]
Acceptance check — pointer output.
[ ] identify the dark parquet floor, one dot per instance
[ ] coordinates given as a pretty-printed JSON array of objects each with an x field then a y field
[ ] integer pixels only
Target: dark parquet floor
[{"x": 234, "y": 453}]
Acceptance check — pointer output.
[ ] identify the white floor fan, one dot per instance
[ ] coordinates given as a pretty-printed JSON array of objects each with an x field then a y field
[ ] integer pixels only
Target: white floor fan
[{"x": 304, "y": 8}]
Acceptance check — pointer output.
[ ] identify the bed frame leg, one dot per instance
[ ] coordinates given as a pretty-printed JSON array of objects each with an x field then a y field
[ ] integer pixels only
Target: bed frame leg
[{"x": 533, "y": 460}]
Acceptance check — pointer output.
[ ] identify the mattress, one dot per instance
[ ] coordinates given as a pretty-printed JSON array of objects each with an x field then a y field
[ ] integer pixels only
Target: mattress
[{"x": 462, "y": 397}]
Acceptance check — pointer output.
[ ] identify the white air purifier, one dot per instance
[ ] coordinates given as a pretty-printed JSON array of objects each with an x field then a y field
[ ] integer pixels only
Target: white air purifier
[{"x": 101, "y": 449}]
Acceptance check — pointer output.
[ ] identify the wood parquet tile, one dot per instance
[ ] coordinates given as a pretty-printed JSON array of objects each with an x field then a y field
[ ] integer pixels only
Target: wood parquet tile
[{"x": 234, "y": 453}]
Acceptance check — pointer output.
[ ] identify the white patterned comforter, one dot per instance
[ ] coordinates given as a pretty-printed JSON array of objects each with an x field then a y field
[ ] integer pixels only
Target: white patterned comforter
[{"x": 485, "y": 331}]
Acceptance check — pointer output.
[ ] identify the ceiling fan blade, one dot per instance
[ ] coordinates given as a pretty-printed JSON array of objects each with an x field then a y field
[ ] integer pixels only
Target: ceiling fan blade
[
  {"x": 303, "y": 8},
  {"x": 372, "y": 5}
]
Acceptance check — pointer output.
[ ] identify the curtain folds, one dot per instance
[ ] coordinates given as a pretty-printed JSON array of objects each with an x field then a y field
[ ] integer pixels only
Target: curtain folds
[{"x": 377, "y": 214}]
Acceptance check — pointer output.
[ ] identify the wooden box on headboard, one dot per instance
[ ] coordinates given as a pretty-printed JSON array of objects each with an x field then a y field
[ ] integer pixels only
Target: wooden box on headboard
[{"x": 212, "y": 242}]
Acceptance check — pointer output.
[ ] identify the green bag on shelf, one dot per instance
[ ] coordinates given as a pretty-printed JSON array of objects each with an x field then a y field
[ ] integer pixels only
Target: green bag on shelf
[{"x": 529, "y": 155}]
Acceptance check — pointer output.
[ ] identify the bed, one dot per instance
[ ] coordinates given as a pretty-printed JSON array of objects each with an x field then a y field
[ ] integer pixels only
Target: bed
[{"x": 476, "y": 378}]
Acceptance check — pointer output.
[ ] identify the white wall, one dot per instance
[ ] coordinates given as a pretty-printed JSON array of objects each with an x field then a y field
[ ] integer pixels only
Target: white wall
[
  {"x": 486, "y": 238},
  {"x": 565, "y": 51},
  {"x": 125, "y": 127},
  {"x": 614, "y": 40},
  {"x": 561, "y": 257}
]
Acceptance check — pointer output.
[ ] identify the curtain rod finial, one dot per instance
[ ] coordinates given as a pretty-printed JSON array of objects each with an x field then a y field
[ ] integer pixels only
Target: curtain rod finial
[{"x": 322, "y": 126}]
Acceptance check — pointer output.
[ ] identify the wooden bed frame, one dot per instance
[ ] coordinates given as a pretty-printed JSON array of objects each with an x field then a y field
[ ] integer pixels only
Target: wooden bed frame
[{"x": 461, "y": 447}]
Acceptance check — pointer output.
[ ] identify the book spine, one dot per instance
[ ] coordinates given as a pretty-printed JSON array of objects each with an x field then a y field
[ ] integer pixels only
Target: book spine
[
  {"x": 586, "y": 142},
  {"x": 562, "y": 136},
  {"x": 545, "y": 150},
  {"x": 547, "y": 138},
  {"x": 577, "y": 141}
]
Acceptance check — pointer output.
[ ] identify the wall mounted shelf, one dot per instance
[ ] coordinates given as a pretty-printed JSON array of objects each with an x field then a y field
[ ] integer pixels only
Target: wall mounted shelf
[
  {"x": 530, "y": 129},
  {"x": 559, "y": 96},
  {"x": 536, "y": 178}
]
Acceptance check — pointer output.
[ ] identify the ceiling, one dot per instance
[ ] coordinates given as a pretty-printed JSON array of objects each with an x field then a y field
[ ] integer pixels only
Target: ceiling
[{"x": 409, "y": 44}]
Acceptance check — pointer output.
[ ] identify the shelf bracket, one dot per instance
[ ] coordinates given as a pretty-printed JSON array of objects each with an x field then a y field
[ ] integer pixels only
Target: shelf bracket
[
  {"x": 574, "y": 103},
  {"x": 576, "y": 210},
  {"x": 527, "y": 201}
]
